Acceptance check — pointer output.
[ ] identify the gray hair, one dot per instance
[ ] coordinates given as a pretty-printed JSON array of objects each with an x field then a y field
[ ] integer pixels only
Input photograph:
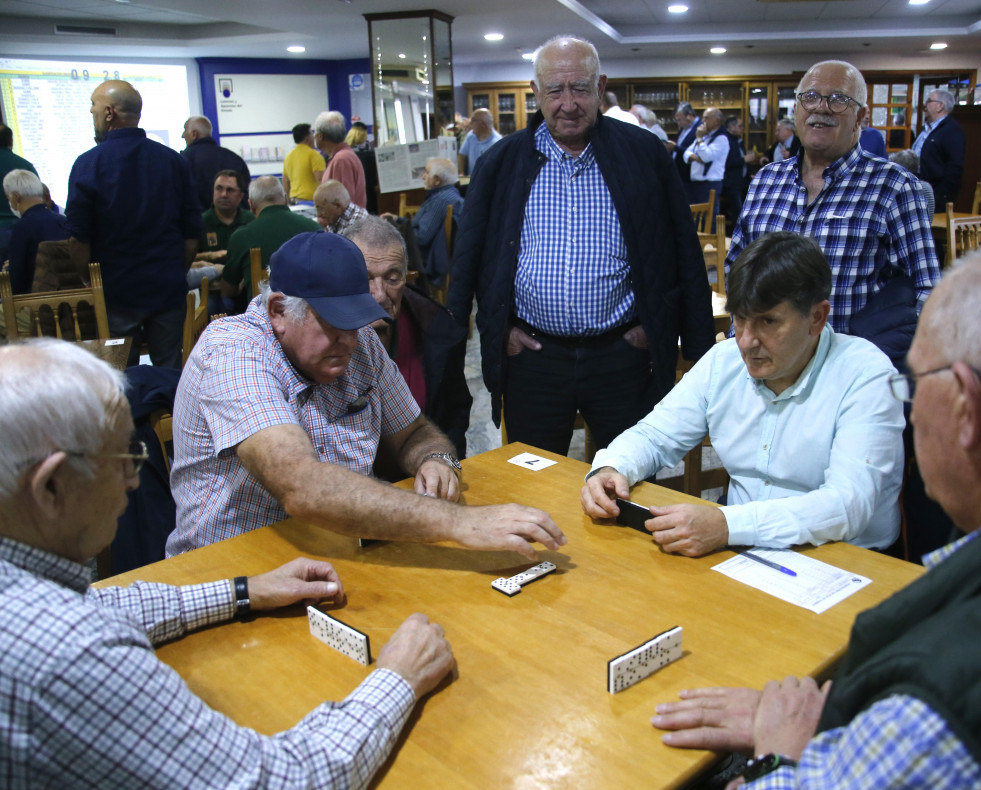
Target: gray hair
[
  {"x": 266, "y": 191},
  {"x": 684, "y": 108},
  {"x": 333, "y": 191},
  {"x": 952, "y": 317},
  {"x": 375, "y": 233},
  {"x": 788, "y": 123},
  {"x": 332, "y": 126},
  {"x": 24, "y": 183},
  {"x": 946, "y": 97},
  {"x": 907, "y": 159},
  {"x": 53, "y": 396},
  {"x": 591, "y": 62},
  {"x": 861, "y": 91},
  {"x": 199, "y": 124},
  {"x": 294, "y": 307},
  {"x": 445, "y": 169}
]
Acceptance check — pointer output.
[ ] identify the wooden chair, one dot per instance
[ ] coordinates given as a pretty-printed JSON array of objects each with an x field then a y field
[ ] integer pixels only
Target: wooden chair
[
  {"x": 701, "y": 213},
  {"x": 976, "y": 205},
  {"x": 57, "y": 313},
  {"x": 405, "y": 210},
  {"x": 714, "y": 249},
  {"x": 258, "y": 273},
  {"x": 195, "y": 319},
  {"x": 162, "y": 422},
  {"x": 963, "y": 236},
  {"x": 440, "y": 291}
]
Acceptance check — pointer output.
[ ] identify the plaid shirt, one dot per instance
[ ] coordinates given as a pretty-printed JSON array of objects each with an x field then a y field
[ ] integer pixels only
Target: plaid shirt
[
  {"x": 351, "y": 214},
  {"x": 897, "y": 742},
  {"x": 239, "y": 381},
  {"x": 869, "y": 219},
  {"x": 84, "y": 701},
  {"x": 573, "y": 277}
]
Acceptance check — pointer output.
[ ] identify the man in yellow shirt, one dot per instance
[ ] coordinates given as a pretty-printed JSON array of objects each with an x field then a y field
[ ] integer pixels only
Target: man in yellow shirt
[{"x": 304, "y": 165}]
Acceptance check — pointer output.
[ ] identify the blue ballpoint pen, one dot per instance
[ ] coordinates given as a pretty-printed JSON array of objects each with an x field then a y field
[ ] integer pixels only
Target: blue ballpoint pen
[{"x": 768, "y": 564}]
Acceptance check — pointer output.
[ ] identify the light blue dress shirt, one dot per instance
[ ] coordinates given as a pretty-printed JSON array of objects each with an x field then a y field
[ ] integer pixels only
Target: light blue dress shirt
[{"x": 821, "y": 461}]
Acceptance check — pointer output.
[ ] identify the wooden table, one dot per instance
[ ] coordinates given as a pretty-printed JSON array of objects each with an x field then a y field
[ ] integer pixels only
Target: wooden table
[
  {"x": 940, "y": 220},
  {"x": 528, "y": 707}
]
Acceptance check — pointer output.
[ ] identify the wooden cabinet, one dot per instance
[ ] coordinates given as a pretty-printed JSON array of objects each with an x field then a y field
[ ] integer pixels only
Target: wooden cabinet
[{"x": 512, "y": 105}]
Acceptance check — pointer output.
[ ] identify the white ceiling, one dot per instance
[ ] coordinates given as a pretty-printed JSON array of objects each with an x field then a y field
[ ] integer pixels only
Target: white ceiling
[{"x": 621, "y": 29}]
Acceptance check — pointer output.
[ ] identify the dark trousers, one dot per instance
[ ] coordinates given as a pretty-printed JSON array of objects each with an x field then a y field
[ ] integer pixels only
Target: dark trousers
[
  {"x": 162, "y": 332},
  {"x": 610, "y": 384}
]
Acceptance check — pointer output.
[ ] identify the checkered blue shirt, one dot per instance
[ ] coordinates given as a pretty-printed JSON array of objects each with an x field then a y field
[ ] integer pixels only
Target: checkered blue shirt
[
  {"x": 897, "y": 742},
  {"x": 573, "y": 277},
  {"x": 870, "y": 218},
  {"x": 238, "y": 381},
  {"x": 85, "y": 702}
]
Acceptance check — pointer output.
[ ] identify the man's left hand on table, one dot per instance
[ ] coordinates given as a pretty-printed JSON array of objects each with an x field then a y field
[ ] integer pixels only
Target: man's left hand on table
[
  {"x": 301, "y": 579},
  {"x": 692, "y": 530},
  {"x": 435, "y": 478}
]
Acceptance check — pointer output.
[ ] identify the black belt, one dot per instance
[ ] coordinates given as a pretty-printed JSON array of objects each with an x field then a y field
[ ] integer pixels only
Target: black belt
[{"x": 576, "y": 341}]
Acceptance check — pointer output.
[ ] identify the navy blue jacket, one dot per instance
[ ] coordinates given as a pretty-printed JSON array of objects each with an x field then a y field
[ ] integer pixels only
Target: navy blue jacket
[
  {"x": 206, "y": 158},
  {"x": 667, "y": 268},
  {"x": 942, "y": 162},
  {"x": 38, "y": 224}
]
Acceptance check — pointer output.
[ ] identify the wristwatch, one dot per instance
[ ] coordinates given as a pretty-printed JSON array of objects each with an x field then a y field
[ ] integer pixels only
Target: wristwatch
[
  {"x": 242, "y": 603},
  {"x": 763, "y": 764},
  {"x": 447, "y": 458}
]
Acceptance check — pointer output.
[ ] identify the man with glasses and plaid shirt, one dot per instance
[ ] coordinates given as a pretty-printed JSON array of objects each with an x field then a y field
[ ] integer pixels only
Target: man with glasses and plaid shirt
[
  {"x": 902, "y": 710},
  {"x": 867, "y": 214},
  {"x": 84, "y": 701}
]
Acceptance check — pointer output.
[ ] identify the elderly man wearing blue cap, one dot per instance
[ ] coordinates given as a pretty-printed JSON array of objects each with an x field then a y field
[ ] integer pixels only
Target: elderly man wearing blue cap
[{"x": 281, "y": 411}]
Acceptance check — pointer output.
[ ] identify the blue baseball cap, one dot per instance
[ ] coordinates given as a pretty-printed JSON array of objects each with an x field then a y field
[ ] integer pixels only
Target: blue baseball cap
[{"x": 329, "y": 272}]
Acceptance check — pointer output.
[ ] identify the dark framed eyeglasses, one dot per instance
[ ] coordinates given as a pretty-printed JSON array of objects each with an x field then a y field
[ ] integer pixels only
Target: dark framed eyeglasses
[
  {"x": 137, "y": 456},
  {"x": 903, "y": 385},
  {"x": 837, "y": 102}
]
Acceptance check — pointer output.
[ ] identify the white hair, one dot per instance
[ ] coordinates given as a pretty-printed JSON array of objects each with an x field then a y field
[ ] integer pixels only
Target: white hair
[
  {"x": 445, "y": 169},
  {"x": 591, "y": 62},
  {"x": 332, "y": 191},
  {"x": 946, "y": 97},
  {"x": 294, "y": 307},
  {"x": 24, "y": 183},
  {"x": 267, "y": 190},
  {"x": 375, "y": 233},
  {"x": 53, "y": 396},
  {"x": 332, "y": 126},
  {"x": 952, "y": 318}
]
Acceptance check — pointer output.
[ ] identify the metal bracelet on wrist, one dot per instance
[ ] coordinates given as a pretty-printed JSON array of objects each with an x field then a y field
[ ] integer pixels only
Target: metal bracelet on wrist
[{"x": 447, "y": 458}]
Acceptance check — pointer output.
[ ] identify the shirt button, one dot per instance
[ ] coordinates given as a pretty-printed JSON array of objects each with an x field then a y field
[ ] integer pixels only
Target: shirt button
[
  {"x": 766, "y": 482},
  {"x": 766, "y": 447}
]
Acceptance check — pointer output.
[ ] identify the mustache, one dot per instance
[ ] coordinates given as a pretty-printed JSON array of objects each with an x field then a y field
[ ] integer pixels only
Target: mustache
[{"x": 830, "y": 120}]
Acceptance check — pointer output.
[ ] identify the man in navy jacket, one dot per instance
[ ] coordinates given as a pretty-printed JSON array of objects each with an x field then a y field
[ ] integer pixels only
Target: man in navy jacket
[
  {"x": 941, "y": 149},
  {"x": 578, "y": 241}
]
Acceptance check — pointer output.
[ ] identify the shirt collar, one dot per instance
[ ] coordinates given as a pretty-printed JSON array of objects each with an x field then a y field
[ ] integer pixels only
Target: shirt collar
[
  {"x": 934, "y": 558},
  {"x": 840, "y": 166},
  {"x": 296, "y": 384},
  {"x": 45, "y": 565},
  {"x": 545, "y": 143}
]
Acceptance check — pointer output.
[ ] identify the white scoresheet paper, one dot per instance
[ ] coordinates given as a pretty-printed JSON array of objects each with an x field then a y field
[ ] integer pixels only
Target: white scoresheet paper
[{"x": 817, "y": 585}]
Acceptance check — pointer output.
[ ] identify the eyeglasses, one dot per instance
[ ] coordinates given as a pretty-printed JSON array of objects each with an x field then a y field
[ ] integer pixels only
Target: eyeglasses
[
  {"x": 137, "y": 456},
  {"x": 903, "y": 385},
  {"x": 837, "y": 102},
  {"x": 933, "y": 101}
]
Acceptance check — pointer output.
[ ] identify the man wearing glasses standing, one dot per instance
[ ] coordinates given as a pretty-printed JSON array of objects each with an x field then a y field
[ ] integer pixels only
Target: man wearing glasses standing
[
  {"x": 940, "y": 147},
  {"x": 866, "y": 213}
]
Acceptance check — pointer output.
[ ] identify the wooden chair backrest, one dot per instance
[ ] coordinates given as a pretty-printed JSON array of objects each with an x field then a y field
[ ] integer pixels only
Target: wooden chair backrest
[
  {"x": 257, "y": 272},
  {"x": 405, "y": 210},
  {"x": 714, "y": 249},
  {"x": 440, "y": 291},
  {"x": 976, "y": 205},
  {"x": 963, "y": 236},
  {"x": 61, "y": 314},
  {"x": 702, "y": 213},
  {"x": 195, "y": 319}
]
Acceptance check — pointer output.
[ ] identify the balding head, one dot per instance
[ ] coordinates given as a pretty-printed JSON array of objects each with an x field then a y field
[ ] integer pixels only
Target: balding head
[
  {"x": 115, "y": 105},
  {"x": 568, "y": 86},
  {"x": 266, "y": 191},
  {"x": 482, "y": 121},
  {"x": 829, "y": 132},
  {"x": 331, "y": 199},
  {"x": 197, "y": 127},
  {"x": 439, "y": 173}
]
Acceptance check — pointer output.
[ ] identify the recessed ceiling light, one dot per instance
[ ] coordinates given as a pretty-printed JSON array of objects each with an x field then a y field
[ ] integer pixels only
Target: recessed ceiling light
[
  {"x": 402, "y": 55},
  {"x": 296, "y": 48},
  {"x": 939, "y": 45},
  {"x": 918, "y": 2},
  {"x": 677, "y": 9},
  {"x": 528, "y": 55},
  {"x": 718, "y": 50},
  {"x": 493, "y": 36}
]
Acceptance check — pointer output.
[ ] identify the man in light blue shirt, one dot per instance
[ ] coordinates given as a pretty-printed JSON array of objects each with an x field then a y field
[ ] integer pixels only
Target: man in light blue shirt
[
  {"x": 802, "y": 418},
  {"x": 482, "y": 135}
]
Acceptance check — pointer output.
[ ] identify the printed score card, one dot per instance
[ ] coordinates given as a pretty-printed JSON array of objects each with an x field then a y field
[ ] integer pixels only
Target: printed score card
[
  {"x": 817, "y": 585},
  {"x": 529, "y": 461}
]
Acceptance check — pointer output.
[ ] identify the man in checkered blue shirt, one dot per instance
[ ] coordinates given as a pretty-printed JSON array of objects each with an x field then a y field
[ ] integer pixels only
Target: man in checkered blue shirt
[
  {"x": 84, "y": 701},
  {"x": 867, "y": 214},
  {"x": 903, "y": 709},
  {"x": 579, "y": 245}
]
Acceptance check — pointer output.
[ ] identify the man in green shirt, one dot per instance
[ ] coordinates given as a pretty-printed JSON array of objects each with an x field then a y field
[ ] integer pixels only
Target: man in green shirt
[
  {"x": 274, "y": 224},
  {"x": 225, "y": 216}
]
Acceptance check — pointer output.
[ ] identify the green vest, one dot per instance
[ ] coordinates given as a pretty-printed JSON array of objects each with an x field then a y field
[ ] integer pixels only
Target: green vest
[{"x": 923, "y": 642}]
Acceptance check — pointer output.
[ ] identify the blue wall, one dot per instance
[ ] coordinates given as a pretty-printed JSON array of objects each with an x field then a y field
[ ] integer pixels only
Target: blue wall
[{"x": 336, "y": 71}]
